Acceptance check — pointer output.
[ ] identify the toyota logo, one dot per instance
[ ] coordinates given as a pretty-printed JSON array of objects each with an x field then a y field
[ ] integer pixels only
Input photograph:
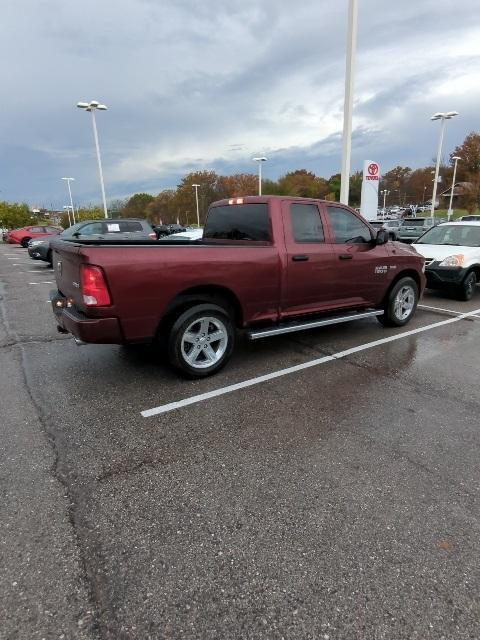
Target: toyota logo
[{"x": 373, "y": 168}]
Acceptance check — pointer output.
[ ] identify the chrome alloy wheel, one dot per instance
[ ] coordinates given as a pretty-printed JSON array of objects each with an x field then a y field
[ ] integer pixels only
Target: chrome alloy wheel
[
  {"x": 204, "y": 342},
  {"x": 404, "y": 302}
]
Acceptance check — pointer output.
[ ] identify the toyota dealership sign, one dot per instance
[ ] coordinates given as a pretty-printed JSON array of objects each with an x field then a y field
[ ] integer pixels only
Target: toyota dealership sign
[{"x": 371, "y": 179}]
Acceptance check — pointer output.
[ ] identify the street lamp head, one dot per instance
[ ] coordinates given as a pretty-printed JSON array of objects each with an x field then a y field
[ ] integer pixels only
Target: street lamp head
[
  {"x": 444, "y": 116},
  {"x": 68, "y": 178},
  {"x": 90, "y": 106},
  {"x": 262, "y": 159},
  {"x": 456, "y": 158},
  {"x": 195, "y": 185}
]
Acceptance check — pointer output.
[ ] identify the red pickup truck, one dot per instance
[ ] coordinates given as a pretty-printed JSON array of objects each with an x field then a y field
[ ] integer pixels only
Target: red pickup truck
[{"x": 267, "y": 265}]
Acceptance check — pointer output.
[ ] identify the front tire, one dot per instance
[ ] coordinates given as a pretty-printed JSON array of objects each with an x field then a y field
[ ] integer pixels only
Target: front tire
[
  {"x": 24, "y": 242},
  {"x": 467, "y": 288},
  {"x": 401, "y": 303},
  {"x": 201, "y": 340}
]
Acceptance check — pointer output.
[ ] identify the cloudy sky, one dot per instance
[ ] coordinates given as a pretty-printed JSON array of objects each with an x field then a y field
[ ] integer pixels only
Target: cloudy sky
[{"x": 207, "y": 85}]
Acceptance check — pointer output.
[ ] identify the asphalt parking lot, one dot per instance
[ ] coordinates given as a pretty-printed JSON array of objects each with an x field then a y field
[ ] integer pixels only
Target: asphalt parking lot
[{"x": 339, "y": 500}]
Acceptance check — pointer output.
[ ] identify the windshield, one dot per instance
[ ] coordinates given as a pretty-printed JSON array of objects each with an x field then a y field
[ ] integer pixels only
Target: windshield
[
  {"x": 455, "y": 235},
  {"x": 71, "y": 230}
]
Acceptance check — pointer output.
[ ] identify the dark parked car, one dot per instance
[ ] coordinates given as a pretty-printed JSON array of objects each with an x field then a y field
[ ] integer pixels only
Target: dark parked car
[
  {"x": 176, "y": 228},
  {"x": 161, "y": 231},
  {"x": 164, "y": 230},
  {"x": 412, "y": 228},
  {"x": 121, "y": 229}
]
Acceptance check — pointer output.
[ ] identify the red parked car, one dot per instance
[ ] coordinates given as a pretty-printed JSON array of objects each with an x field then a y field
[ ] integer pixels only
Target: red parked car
[{"x": 23, "y": 235}]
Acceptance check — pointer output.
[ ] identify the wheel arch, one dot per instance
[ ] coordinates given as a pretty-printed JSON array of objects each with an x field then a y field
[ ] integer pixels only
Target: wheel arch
[
  {"x": 476, "y": 269},
  {"x": 215, "y": 294},
  {"x": 406, "y": 273}
]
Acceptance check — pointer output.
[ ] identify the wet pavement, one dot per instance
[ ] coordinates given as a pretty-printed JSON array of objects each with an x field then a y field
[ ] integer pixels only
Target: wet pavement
[{"x": 338, "y": 501}]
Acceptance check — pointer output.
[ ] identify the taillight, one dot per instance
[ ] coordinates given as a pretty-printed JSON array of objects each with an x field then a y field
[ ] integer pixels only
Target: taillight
[{"x": 93, "y": 286}]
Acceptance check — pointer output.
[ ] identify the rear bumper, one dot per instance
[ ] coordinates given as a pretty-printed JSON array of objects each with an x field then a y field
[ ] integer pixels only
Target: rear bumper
[
  {"x": 38, "y": 253},
  {"x": 84, "y": 329},
  {"x": 444, "y": 276}
]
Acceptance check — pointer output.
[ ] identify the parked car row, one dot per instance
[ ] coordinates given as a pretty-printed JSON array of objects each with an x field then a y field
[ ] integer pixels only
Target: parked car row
[{"x": 37, "y": 238}]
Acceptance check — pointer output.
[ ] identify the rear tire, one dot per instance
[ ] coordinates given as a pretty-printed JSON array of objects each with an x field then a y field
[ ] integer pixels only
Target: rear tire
[
  {"x": 401, "y": 303},
  {"x": 24, "y": 242},
  {"x": 49, "y": 258},
  {"x": 201, "y": 340},
  {"x": 466, "y": 290}
]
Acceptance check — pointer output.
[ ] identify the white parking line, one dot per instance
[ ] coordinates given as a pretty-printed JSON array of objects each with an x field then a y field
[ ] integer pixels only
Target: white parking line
[
  {"x": 426, "y": 306},
  {"x": 43, "y": 282},
  {"x": 299, "y": 367},
  {"x": 441, "y": 310}
]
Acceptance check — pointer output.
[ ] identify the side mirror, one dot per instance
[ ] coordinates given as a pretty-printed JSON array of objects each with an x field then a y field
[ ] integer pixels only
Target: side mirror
[
  {"x": 382, "y": 237},
  {"x": 77, "y": 234}
]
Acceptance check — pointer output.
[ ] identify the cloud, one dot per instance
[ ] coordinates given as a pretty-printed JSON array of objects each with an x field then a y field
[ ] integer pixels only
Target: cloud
[{"x": 199, "y": 85}]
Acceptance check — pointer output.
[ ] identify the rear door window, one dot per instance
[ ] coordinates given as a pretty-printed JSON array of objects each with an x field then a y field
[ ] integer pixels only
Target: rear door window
[
  {"x": 37, "y": 230},
  {"x": 347, "y": 228},
  {"x": 239, "y": 222},
  {"x": 130, "y": 226},
  {"x": 306, "y": 223}
]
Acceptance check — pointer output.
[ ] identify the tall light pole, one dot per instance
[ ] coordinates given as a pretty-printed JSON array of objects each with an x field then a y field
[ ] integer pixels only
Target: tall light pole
[
  {"x": 443, "y": 117},
  {"x": 92, "y": 106},
  {"x": 348, "y": 104},
  {"x": 67, "y": 207},
  {"x": 384, "y": 193},
  {"x": 260, "y": 160},
  {"x": 70, "y": 194},
  {"x": 450, "y": 210},
  {"x": 195, "y": 186}
]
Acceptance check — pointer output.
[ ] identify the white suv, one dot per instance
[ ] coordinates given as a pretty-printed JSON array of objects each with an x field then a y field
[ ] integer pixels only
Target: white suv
[{"x": 452, "y": 257}]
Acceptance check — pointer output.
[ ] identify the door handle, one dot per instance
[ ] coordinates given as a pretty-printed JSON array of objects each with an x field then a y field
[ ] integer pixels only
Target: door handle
[
  {"x": 345, "y": 256},
  {"x": 300, "y": 258}
]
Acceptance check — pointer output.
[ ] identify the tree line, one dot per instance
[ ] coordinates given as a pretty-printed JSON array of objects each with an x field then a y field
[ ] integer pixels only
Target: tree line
[{"x": 405, "y": 186}]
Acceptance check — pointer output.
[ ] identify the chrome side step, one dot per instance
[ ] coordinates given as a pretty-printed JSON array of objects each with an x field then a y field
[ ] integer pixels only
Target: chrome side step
[{"x": 256, "y": 334}]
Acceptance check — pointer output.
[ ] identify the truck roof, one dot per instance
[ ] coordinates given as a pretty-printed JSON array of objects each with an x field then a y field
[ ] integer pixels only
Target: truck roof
[{"x": 264, "y": 199}]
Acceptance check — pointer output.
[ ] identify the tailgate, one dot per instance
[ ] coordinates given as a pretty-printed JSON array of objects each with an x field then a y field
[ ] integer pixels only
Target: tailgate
[{"x": 66, "y": 260}]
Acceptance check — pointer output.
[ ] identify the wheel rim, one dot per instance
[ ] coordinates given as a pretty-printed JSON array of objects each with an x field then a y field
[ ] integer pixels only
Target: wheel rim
[
  {"x": 404, "y": 302},
  {"x": 204, "y": 342}
]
